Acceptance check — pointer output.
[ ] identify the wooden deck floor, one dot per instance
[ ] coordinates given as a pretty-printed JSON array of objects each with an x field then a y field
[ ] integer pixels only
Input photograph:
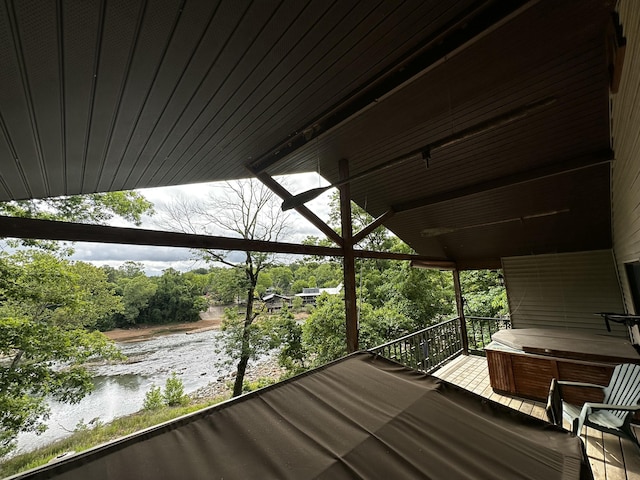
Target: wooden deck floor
[{"x": 611, "y": 458}]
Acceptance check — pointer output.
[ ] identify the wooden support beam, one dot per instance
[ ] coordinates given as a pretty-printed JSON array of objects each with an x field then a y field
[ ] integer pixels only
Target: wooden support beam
[
  {"x": 349, "y": 266},
  {"x": 460, "y": 306},
  {"x": 358, "y": 237},
  {"x": 302, "y": 210},
  {"x": 31, "y": 228},
  {"x": 78, "y": 232},
  {"x": 433, "y": 262},
  {"x": 557, "y": 168},
  {"x": 433, "y": 265}
]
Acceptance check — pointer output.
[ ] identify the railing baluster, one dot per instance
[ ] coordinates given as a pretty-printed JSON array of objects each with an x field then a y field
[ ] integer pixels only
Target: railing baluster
[
  {"x": 430, "y": 347},
  {"x": 483, "y": 329},
  {"x": 426, "y": 349}
]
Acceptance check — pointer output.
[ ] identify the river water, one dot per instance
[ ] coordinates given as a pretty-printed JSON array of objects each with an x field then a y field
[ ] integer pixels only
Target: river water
[{"x": 198, "y": 359}]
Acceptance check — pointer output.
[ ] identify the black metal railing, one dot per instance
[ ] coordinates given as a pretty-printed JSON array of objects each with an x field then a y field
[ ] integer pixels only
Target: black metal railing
[
  {"x": 427, "y": 349},
  {"x": 480, "y": 329},
  {"x": 431, "y": 347}
]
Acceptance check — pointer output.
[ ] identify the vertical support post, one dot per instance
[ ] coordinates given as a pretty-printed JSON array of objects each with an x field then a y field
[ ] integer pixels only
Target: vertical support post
[
  {"x": 349, "y": 265},
  {"x": 459, "y": 304}
]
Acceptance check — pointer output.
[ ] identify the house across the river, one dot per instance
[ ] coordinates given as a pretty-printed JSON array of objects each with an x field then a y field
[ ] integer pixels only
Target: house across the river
[
  {"x": 274, "y": 302},
  {"x": 309, "y": 295}
]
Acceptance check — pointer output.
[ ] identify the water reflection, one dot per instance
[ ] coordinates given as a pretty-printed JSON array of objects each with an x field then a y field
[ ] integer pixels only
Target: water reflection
[
  {"x": 120, "y": 388},
  {"x": 128, "y": 381}
]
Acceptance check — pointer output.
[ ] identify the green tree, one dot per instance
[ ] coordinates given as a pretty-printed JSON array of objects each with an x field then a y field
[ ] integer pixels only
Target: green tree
[
  {"x": 226, "y": 285},
  {"x": 296, "y": 304},
  {"x": 45, "y": 303},
  {"x": 484, "y": 293},
  {"x": 242, "y": 340},
  {"x": 324, "y": 331},
  {"x": 282, "y": 278},
  {"x": 428, "y": 295},
  {"x": 247, "y": 209},
  {"x": 95, "y": 208},
  {"x": 175, "y": 299},
  {"x": 58, "y": 291},
  {"x": 136, "y": 294},
  {"x": 264, "y": 282},
  {"x": 286, "y": 335},
  {"x": 198, "y": 280},
  {"x": 130, "y": 269},
  {"x": 299, "y": 285},
  {"x": 90, "y": 208},
  {"x": 381, "y": 325}
]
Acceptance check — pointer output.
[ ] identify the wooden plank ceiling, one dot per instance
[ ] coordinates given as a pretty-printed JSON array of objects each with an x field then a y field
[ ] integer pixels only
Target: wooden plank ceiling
[{"x": 121, "y": 94}]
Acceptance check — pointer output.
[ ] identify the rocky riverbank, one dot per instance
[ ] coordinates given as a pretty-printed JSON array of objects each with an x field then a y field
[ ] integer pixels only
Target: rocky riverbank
[
  {"x": 264, "y": 368},
  {"x": 145, "y": 332}
]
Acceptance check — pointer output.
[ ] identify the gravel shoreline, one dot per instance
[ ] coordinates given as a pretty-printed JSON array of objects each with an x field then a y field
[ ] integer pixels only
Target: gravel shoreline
[{"x": 263, "y": 368}]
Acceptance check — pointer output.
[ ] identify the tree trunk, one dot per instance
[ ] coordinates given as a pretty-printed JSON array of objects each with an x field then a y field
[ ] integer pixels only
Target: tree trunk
[
  {"x": 242, "y": 368},
  {"x": 16, "y": 360},
  {"x": 246, "y": 347}
]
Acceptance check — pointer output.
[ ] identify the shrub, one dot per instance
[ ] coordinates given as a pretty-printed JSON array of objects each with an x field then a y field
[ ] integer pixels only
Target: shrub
[
  {"x": 250, "y": 386},
  {"x": 174, "y": 392},
  {"x": 153, "y": 399}
]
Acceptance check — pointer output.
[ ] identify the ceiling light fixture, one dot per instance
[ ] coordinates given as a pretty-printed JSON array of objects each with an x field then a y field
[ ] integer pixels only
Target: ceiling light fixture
[{"x": 437, "y": 231}]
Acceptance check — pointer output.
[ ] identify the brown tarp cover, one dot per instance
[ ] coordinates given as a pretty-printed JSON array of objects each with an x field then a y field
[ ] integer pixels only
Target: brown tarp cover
[
  {"x": 360, "y": 417},
  {"x": 569, "y": 344}
]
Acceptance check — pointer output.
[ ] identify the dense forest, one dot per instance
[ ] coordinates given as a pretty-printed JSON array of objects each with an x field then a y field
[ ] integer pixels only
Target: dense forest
[
  {"x": 124, "y": 297},
  {"x": 405, "y": 298}
]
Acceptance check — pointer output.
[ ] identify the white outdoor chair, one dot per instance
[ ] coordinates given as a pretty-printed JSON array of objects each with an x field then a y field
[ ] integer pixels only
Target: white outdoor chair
[{"x": 613, "y": 415}]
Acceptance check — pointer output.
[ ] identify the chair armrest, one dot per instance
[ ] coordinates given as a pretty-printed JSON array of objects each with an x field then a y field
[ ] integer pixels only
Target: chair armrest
[
  {"x": 588, "y": 408},
  {"x": 609, "y": 406},
  {"x": 580, "y": 384}
]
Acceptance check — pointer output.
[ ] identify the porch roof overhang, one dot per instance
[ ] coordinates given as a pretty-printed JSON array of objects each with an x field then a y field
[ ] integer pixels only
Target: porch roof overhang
[{"x": 507, "y": 104}]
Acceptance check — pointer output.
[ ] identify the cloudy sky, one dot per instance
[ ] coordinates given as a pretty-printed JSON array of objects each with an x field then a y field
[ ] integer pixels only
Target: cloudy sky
[{"x": 156, "y": 259}]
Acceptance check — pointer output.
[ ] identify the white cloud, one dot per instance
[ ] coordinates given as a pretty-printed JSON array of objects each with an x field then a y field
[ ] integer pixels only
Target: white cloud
[
  {"x": 122, "y": 253},
  {"x": 157, "y": 259}
]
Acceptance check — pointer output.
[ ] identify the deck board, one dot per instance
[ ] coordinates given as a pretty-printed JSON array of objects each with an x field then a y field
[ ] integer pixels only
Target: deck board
[{"x": 611, "y": 458}]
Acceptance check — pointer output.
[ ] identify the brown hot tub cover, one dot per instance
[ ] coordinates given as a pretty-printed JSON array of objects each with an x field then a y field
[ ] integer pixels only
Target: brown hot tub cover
[{"x": 360, "y": 417}]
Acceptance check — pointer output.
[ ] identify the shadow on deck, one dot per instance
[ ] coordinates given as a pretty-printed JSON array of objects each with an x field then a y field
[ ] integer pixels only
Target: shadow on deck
[{"x": 611, "y": 458}]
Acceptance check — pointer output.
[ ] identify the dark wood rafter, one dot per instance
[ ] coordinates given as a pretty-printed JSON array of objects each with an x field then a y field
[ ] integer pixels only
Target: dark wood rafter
[
  {"x": 424, "y": 151},
  {"x": 362, "y": 234},
  {"x": 349, "y": 266},
  {"x": 444, "y": 264},
  {"x": 460, "y": 33},
  {"x": 460, "y": 307},
  {"x": 567, "y": 166},
  {"x": 29, "y": 228},
  {"x": 282, "y": 192},
  {"x": 433, "y": 265}
]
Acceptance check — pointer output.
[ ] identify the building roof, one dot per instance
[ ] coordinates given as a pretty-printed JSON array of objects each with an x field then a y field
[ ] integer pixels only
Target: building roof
[
  {"x": 504, "y": 107},
  {"x": 273, "y": 296},
  {"x": 316, "y": 292}
]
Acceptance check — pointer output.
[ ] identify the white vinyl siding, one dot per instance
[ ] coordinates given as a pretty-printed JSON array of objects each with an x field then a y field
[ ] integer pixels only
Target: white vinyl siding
[
  {"x": 563, "y": 291},
  {"x": 626, "y": 145}
]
